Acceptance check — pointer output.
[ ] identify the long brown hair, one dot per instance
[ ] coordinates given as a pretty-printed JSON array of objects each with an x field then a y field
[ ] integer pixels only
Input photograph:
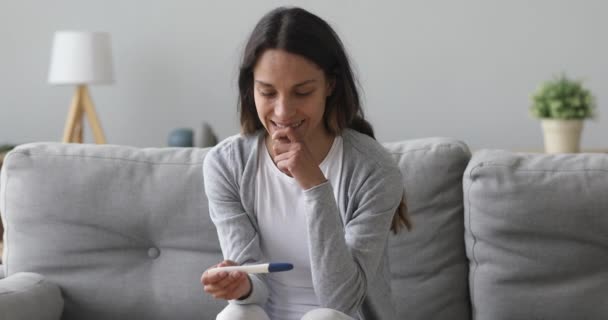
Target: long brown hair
[{"x": 300, "y": 32}]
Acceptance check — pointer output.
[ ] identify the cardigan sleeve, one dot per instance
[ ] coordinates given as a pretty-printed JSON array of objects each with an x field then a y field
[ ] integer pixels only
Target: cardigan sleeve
[
  {"x": 239, "y": 238},
  {"x": 345, "y": 256}
]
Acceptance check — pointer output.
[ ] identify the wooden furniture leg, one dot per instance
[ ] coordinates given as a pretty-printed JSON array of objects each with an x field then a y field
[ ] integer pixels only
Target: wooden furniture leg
[
  {"x": 73, "y": 115},
  {"x": 74, "y": 127},
  {"x": 77, "y": 134},
  {"x": 89, "y": 109}
]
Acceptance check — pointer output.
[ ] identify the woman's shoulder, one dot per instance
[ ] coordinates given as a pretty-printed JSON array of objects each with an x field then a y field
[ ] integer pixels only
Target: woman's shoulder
[
  {"x": 232, "y": 152},
  {"x": 361, "y": 148},
  {"x": 368, "y": 162},
  {"x": 233, "y": 146}
]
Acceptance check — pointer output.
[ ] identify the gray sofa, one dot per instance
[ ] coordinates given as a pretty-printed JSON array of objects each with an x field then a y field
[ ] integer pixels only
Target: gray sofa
[{"x": 114, "y": 232}]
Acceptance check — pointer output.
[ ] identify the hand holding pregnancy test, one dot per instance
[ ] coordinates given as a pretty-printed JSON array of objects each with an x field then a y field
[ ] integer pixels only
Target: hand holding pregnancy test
[{"x": 253, "y": 268}]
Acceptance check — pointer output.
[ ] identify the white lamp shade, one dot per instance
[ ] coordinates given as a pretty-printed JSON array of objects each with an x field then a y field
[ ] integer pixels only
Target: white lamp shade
[{"x": 80, "y": 57}]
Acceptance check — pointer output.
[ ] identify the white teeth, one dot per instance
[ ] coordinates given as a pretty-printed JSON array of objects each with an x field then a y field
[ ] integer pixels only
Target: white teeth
[{"x": 280, "y": 126}]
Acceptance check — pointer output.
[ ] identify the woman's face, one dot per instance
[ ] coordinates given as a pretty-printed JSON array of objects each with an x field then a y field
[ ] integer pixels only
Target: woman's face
[{"x": 290, "y": 91}]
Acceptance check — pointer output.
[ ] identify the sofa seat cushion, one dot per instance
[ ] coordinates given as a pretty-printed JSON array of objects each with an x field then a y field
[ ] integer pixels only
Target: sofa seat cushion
[
  {"x": 27, "y": 295},
  {"x": 537, "y": 235}
]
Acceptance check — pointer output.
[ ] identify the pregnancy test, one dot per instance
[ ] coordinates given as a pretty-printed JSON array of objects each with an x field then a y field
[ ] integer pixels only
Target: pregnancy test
[{"x": 254, "y": 268}]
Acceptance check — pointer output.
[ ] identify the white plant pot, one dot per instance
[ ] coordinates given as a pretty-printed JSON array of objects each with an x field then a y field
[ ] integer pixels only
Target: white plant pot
[{"x": 562, "y": 136}]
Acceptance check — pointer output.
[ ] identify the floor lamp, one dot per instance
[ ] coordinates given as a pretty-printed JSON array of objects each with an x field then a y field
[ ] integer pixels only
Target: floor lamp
[{"x": 81, "y": 58}]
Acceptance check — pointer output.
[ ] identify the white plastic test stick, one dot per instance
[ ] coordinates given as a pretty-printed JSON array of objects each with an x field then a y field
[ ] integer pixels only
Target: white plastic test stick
[{"x": 254, "y": 268}]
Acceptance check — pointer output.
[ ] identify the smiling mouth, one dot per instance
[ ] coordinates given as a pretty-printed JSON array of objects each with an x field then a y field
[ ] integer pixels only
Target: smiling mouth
[{"x": 283, "y": 126}]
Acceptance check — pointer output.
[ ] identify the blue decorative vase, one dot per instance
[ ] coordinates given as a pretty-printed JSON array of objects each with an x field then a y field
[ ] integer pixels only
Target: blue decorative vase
[{"x": 182, "y": 137}]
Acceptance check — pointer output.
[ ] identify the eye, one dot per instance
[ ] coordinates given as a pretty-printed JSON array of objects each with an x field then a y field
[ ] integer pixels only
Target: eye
[
  {"x": 304, "y": 94},
  {"x": 267, "y": 93}
]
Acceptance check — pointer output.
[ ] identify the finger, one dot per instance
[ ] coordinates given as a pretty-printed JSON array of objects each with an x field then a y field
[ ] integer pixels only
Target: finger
[
  {"x": 205, "y": 275},
  {"x": 280, "y": 135},
  {"x": 286, "y": 156},
  {"x": 292, "y": 146},
  {"x": 210, "y": 279},
  {"x": 231, "y": 278},
  {"x": 284, "y": 162},
  {"x": 226, "y": 282},
  {"x": 227, "y": 263},
  {"x": 227, "y": 279},
  {"x": 213, "y": 278},
  {"x": 291, "y": 135},
  {"x": 217, "y": 293},
  {"x": 279, "y": 147},
  {"x": 287, "y": 172},
  {"x": 286, "y": 135},
  {"x": 237, "y": 275},
  {"x": 232, "y": 294},
  {"x": 231, "y": 291},
  {"x": 212, "y": 289}
]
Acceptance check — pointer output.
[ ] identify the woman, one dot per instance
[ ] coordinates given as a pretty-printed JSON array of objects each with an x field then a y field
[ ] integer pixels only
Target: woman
[{"x": 305, "y": 183}]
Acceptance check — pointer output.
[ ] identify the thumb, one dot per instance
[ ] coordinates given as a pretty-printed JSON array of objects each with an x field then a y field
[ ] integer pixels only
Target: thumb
[{"x": 227, "y": 263}]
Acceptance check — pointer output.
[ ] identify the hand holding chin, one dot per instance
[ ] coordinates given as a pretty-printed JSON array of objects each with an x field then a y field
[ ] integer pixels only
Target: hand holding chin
[{"x": 293, "y": 157}]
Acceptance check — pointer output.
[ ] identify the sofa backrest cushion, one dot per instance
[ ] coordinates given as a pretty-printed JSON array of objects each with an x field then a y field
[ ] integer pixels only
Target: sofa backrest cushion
[
  {"x": 429, "y": 264},
  {"x": 123, "y": 231},
  {"x": 537, "y": 235}
]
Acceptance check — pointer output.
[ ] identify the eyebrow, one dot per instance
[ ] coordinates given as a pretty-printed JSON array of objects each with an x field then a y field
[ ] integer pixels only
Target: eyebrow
[{"x": 297, "y": 85}]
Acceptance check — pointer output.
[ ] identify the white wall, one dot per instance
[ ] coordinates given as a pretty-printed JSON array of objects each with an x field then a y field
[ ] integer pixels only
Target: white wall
[{"x": 463, "y": 69}]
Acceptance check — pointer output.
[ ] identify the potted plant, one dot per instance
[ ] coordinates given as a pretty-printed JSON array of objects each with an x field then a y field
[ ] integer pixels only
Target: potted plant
[
  {"x": 4, "y": 149},
  {"x": 562, "y": 104}
]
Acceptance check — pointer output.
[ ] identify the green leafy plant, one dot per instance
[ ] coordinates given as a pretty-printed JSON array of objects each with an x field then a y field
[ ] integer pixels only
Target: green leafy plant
[
  {"x": 6, "y": 148},
  {"x": 563, "y": 98}
]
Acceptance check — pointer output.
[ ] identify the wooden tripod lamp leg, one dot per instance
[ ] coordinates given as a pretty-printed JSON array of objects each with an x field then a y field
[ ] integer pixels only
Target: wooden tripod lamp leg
[
  {"x": 89, "y": 109},
  {"x": 77, "y": 133},
  {"x": 73, "y": 115}
]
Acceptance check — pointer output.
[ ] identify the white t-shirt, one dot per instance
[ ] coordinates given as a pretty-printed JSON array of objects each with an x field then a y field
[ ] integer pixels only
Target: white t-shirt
[{"x": 280, "y": 211}]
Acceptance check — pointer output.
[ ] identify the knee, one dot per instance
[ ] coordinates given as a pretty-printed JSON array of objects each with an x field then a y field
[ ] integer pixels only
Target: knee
[
  {"x": 235, "y": 311},
  {"x": 325, "y": 314}
]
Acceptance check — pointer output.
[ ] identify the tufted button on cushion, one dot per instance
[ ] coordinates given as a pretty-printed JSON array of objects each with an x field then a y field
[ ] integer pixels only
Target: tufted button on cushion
[{"x": 153, "y": 253}]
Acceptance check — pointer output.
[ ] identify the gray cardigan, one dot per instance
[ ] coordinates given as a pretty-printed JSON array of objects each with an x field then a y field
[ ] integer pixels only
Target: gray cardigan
[{"x": 348, "y": 240}]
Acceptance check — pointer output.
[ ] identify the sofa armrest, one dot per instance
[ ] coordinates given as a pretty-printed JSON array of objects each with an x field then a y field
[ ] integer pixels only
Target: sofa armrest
[{"x": 29, "y": 296}]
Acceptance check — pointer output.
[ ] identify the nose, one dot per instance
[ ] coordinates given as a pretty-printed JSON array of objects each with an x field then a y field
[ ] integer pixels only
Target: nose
[{"x": 284, "y": 108}]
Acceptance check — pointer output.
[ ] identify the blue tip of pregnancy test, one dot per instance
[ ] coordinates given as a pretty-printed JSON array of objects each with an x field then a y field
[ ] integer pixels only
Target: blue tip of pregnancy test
[{"x": 278, "y": 267}]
